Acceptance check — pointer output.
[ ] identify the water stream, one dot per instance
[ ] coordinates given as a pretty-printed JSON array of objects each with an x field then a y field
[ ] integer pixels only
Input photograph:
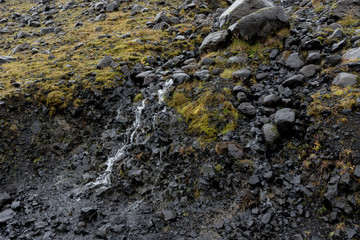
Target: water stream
[{"x": 132, "y": 137}]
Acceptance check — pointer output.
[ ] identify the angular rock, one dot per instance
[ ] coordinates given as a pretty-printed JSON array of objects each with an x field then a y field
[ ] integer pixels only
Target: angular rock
[
  {"x": 162, "y": 17},
  {"x": 261, "y": 24},
  {"x": 345, "y": 80},
  {"x": 266, "y": 218},
  {"x": 88, "y": 213},
  {"x": 45, "y": 31},
  {"x": 105, "y": 62},
  {"x": 254, "y": 180},
  {"x": 294, "y": 61},
  {"x": 285, "y": 119},
  {"x": 271, "y": 135},
  {"x": 214, "y": 41},
  {"x": 242, "y": 8},
  {"x": 4, "y": 199},
  {"x": 203, "y": 75},
  {"x": 168, "y": 215},
  {"x": 271, "y": 100},
  {"x": 180, "y": 78}
]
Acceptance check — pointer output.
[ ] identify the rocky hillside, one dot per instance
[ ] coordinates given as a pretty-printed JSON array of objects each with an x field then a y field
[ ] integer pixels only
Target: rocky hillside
[{"x": 196, "y": 119}]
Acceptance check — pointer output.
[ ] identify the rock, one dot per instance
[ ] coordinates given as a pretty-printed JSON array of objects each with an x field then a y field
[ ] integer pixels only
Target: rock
[
  {"x": 241, "y": 8},
  {"x": 271, "y": 100},
  {"x": 15, "y": 205},
  {"x": 285, "y": 119},
  {"x": 331, "y": 192},
  {"x": 294, "y": 61},
  {"x": 271, "y": 135},
  {"x": 338, "y": 33},
  {"x": 168, "y": 215},
  {"x": 247, "y": 109},
  {"x": 337, "y": 46},
  {"x": 4, "y": 199},
  {"x": 352, "y": 54},
  {"x": 214, "y": 41},
  {"x": 99, "y": 6},
  {"x": 309, "y": 70},
  {"x": 343, "y": 7},
  {"x": 22, "y": 47},
  {"x": 45, "y": 31},
  {"x": 106, "y": 61},
  {"x": 313, "y": 58},
  {"x": 6, "y": 59},
  {"x": 242, "y": 74},
  {"x": 266, "y": 218},
  {"x": 254, "y": 180},
  {"x": 296, "y": 237},
  {"x": 203, "y": 75},
  {"x": 261, "y": 24},
  {"x": 294, "y": 81},
  {"x": 345, "y": 80},
  {"x": 357, "y": 171},
  {"x": 207, "y": 61},
  {"x": 180, "y": 78},
  {"x": 112, "y": 7},
  {"x": 161, "y": 17},
  {"x": 6, "y": 215},
  {"x": 88, "y": 213},
  {"x": 235, "y": 152}
]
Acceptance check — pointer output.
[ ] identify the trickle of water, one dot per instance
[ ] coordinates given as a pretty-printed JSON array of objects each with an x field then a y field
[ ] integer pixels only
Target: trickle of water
[{"x": 103, "y": 181}]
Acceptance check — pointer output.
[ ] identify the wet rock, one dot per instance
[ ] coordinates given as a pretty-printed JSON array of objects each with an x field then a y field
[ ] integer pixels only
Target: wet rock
[
  {"x": 357, "y": 171},
  {"x": 4, "y": 199},
  {"x": 247, "y": 109},
  {"x": 271, "y": 135},
  {"x": 168, "y": 215},
  {"x": 294, "y": 61},
  {"x": 285, "y": 119},
  {"x": 6, "y": 215},
  {"x": 345, "y": 79},
  {"x": 215, "y": 41},
  {"x": 241, "y": 8},
  {"x": 261, "y": 24}
]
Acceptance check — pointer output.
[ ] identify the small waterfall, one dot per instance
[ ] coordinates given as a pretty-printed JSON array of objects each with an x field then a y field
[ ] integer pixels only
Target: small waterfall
[{"x": 104, "y": 181}]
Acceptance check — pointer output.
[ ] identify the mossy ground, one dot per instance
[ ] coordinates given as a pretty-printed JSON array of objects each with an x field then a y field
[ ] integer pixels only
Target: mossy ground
[{"x": 72, "y": 66}]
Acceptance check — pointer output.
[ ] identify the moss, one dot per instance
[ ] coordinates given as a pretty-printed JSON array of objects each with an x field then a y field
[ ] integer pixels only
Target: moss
[
  {"x": 208, "y": 113},
  {"x": 138, "y": 97}
]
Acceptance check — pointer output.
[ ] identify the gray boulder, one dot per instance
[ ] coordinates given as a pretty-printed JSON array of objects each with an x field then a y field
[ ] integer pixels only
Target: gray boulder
[
  {"x": 294, "y": 61},
  {"x": 343, "y": 7},
  {"x": 271, "y": 135},
  {"x": 215, "y": 41},
  {"x": 309, "y": 70},
  {"x": 112, "y": 7},
  {"x": 240, "y": 9},
  {"x": 247, "y": 109},
  {"x": 285, "y": 119},
  {"x": 293, "y": 81},
  {"x": 106, "y": 61},
  {"x": 6, "y": 59},
  {"x": 242, "y": 74},
  {"x": 180, "y": 77},
  {"x": 6, "y": 215},
  {"x": 162, "y": 17},
  {"x": 261, "y": 24},
  {"x": 345, "y": 80},
  {"x": 352, "y": 54}
]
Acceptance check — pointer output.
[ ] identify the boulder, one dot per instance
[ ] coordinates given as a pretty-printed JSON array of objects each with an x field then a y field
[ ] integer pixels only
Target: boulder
[
  {"x": 271, "y": 135},
  {"x": 261, "y": 24},
  {"x": 215, "y": 41},
  {"x": 240, "y": 9},
  {"x": 352, "y": 54},
  {"x": 106, "y": 61},
  {"x": 112, "y": 7},
  {"x": 344, "y": 7},
  {"x": 242, "y": 74},
  {"x": 247, "y": 109},
  {"x": 309, "y": 70},
  {"x": 345, "y": 80},
  {"x": 6, "y": 215}
]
